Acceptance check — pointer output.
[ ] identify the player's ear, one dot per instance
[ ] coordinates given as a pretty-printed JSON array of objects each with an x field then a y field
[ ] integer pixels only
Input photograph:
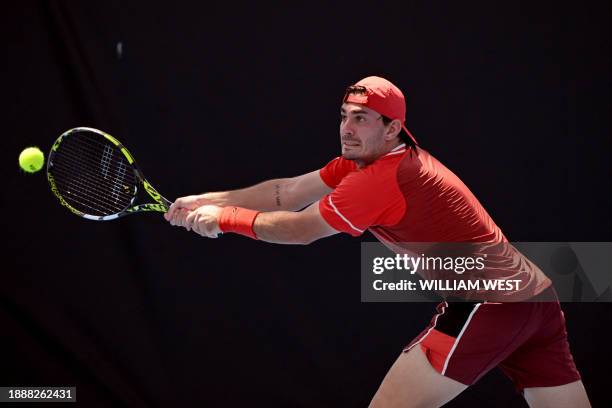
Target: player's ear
[{"x": 393, "y": 129}]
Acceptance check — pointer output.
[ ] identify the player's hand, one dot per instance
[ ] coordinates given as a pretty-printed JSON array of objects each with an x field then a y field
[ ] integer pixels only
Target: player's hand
[
  {"x": 204, "y": 221},
  {"x": 190, "y": 203},
  {"x": 179, "y": 215}
]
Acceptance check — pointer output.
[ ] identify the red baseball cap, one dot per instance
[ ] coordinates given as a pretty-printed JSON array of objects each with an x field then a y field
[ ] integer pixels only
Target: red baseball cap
[{"x": 380, "y": 95}]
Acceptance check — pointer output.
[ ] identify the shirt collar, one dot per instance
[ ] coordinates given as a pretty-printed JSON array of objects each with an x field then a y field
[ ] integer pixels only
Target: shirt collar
[{"x": 397, "y": 150}]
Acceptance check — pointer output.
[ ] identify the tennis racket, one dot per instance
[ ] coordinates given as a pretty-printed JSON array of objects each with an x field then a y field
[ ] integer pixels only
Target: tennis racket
[{"x": 95, "y": 176}]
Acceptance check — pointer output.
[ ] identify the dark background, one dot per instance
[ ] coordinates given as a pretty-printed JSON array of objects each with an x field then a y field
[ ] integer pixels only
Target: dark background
[{"x": 512, "y": 97}]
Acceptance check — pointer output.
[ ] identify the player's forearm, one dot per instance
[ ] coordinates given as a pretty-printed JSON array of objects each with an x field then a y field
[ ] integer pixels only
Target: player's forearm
[
  {"x": 271, "y": 195},
  {"x": 284, "y": 227}
]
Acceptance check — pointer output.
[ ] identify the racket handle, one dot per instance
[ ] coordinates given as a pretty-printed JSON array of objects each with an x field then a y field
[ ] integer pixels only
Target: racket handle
[{"x": 165, "y": 202}]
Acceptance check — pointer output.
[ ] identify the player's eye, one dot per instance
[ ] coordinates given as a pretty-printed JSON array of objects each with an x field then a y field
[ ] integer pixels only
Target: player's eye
[{"x": 360, "y": 118}]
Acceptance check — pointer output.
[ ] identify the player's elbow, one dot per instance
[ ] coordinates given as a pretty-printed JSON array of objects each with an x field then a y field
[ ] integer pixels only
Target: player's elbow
[
  {"x": 307, "y": 240},
  {"x": 301, "y": 238},
  {"x": 288, "y": 194},
  {"x": 308, "y": 226},
  {"x": 312, "y": 234}
]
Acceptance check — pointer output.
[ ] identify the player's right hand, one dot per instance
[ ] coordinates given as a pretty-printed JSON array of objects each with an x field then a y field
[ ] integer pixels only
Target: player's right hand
[{"x": 186, "y": 203}]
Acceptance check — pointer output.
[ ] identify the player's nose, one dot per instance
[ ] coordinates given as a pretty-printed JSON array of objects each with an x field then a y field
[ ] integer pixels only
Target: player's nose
[{"x": 346, "y": 131}]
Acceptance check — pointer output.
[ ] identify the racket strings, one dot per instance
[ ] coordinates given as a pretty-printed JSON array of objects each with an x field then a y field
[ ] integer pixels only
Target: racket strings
[
  {"x": 111, "y": 178},
  {"x": 93, "y": 153},
  {"x": 124, "y": 175},
  {"x": 84, "y": 190},
  {"x": 92, "y": 175},
  {"x": 81, "y": 188},
  {"x": 87, "y": 208}
]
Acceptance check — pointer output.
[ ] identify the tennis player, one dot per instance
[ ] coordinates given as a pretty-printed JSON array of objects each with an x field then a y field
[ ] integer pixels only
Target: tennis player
[{"x": 386, "y": 183}]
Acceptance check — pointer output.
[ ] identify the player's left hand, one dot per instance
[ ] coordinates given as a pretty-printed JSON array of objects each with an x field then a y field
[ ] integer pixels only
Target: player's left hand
[
  {"x": 178, "y": 217},
  {"x": 204, "y": 221}
]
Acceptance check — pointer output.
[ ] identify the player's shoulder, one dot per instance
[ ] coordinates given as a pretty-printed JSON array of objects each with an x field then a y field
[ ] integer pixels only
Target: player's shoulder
[
  {"x": 385, "y": 166},
  {"x": 375, "y": 177},
  {"x": 415, "y": 162}
]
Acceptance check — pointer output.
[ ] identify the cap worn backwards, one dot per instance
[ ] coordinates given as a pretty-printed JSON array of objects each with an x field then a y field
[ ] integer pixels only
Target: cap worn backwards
[{"x": 380, "y": 95}]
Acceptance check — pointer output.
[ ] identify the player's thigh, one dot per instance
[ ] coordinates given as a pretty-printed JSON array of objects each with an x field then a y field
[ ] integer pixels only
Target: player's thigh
[
  {"x": 413, "y": 382},
  {"x": 572, "y": 395}
]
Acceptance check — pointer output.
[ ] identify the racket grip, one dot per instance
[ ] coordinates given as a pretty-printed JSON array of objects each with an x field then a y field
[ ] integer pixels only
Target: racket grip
[{"x": 166, "y": 203}]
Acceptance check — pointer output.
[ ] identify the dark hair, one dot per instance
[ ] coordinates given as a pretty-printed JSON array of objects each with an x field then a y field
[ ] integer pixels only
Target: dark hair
[
  {"x": 362, "y": 90},
  {"x": 354, "y": 90},
  {"x": 402, "y": 134}
]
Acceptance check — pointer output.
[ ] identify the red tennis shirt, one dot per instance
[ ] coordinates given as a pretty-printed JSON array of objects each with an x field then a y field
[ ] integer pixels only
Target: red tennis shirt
[{"x": 404, "y": 197}]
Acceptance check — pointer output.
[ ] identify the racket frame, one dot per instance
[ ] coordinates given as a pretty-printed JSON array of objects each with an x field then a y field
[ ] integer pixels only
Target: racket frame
[{"x": 161, "y": 204}]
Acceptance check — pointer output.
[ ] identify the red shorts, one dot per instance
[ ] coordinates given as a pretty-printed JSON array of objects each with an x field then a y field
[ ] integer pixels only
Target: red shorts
[{"x": 527, "y": 340}]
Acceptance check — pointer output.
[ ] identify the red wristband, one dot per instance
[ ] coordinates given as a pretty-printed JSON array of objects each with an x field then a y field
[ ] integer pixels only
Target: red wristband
[{"x": 238, "y": 220}]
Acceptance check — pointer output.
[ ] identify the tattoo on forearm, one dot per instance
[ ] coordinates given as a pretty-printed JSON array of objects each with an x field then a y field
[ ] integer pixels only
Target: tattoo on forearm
[{"x": 277, "y": 194}]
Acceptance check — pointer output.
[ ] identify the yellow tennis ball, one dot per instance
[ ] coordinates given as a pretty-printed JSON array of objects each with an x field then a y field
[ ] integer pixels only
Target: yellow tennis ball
[{"x": 31, "y": 159}]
